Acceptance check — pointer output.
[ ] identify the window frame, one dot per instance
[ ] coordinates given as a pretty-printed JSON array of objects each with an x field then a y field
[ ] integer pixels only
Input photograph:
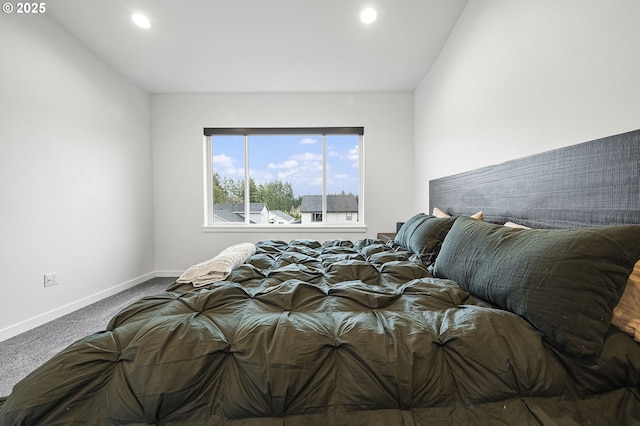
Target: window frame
[{"x": 210, "y": 226}]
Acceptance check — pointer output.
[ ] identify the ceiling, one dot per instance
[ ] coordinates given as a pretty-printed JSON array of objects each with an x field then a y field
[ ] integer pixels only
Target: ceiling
[{"x": 258, "y": 46}]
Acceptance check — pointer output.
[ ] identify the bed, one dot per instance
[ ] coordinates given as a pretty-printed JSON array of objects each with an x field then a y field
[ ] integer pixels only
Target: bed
[{"x": 455, "y": 321}]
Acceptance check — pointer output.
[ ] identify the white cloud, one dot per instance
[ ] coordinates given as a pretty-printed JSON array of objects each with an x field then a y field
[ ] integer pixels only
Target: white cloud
[
  {"x": 225, "y": 166},
  {"x": 353, "y": 156},
  {"x": 308, "y": 141},
  {"x": 287, "y": 164},
  {"x": 307, "y": 156},
  {"x": 353, "y": 153},
  {"x": 311, "y": 167},
  {"x": 303, "y": 169},
  {"x": 260, "y": 176},
  {"x": 284, "y": 176},
  {"x": 223, "y": 161}
]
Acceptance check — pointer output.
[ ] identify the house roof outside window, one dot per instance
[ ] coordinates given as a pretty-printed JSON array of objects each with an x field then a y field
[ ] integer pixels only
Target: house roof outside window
[
  {"x": 234, "y": 212},
  {"x": 335, "y": 203}
]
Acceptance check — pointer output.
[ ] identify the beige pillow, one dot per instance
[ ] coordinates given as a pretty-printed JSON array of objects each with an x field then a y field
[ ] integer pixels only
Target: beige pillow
[
  {"x": 626, "y": 316},
  {"x": 515, "y": 225},
  {"x": 439, "y": 213}
]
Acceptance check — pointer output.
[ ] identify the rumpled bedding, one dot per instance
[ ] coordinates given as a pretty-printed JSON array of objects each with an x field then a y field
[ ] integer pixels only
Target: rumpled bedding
[{"x": 334, "y": 333}]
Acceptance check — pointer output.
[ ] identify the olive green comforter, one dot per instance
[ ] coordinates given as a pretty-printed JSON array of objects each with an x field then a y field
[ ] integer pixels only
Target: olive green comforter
[{"x": 337, "y": 333}]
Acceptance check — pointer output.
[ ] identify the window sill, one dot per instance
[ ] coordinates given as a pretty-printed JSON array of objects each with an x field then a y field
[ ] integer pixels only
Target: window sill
[{"x": 285, "y": 228}]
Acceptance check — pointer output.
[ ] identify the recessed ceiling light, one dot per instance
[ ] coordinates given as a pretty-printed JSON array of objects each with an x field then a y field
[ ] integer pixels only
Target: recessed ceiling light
[
  {"x": 140, "y": 20},
  {"x": 368, "y": 15}
]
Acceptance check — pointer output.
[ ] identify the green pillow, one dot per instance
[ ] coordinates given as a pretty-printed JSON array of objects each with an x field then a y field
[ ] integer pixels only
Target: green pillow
[
  {"x": 423, "y": 235},
  {"x": 407, "y": 228},
  {"x": 565, "y": 282}
]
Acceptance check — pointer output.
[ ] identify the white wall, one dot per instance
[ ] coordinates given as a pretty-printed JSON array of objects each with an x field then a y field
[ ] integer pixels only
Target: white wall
[
  {"x": 178, "y": 121},
  {"x": 518, "y": 77},
  {"x": 75, "y": 175}
]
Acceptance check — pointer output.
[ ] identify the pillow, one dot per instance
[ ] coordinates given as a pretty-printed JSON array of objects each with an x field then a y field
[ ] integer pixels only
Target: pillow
[
  {"x": 439, "y": 213},
  {"x": 423, "y": 235},
  {"x": 626, "y": 315},
  {"x": 408, "y": 227},
  {"x": 515, "y": 225},
  {"x": 565, "y": 282}
]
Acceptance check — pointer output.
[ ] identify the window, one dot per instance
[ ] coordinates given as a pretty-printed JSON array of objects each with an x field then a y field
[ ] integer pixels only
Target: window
[{"x": 283, "y": 176}]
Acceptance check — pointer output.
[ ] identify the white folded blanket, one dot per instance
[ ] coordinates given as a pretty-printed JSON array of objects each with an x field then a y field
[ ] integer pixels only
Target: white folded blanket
[{"x": 219, "y": 267}]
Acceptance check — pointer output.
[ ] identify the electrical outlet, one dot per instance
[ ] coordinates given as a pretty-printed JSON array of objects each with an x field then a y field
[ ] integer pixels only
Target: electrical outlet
[{"x": 50, "y": 279}]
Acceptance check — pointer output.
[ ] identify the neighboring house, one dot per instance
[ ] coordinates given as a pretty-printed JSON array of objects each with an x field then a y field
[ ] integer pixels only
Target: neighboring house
[
  {"x": 234, "y": 212},
  {"x": 340, "y": 208},
  {"x": 278, "y": 217}
]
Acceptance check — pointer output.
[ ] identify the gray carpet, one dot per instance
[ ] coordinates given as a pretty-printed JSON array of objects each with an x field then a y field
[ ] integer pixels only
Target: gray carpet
[{"x": 22, "y": 354}]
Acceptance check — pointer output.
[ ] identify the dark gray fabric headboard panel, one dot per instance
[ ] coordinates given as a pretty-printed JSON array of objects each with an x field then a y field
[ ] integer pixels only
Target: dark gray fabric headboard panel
[{"x": 590, "y": 184}]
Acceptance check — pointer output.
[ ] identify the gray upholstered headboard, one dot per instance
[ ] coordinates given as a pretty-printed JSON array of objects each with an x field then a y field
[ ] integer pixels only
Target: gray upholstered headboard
[{"x": 590, "y": 184}]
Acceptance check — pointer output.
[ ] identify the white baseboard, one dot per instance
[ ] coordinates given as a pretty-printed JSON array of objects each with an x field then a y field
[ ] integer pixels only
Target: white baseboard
[
  {"x": 167, "y": 274},
  {"x": 28, "y": 324}
]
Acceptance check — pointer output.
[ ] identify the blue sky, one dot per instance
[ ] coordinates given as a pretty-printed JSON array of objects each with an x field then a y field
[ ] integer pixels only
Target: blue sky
[{"x": 295, "y": 159}]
